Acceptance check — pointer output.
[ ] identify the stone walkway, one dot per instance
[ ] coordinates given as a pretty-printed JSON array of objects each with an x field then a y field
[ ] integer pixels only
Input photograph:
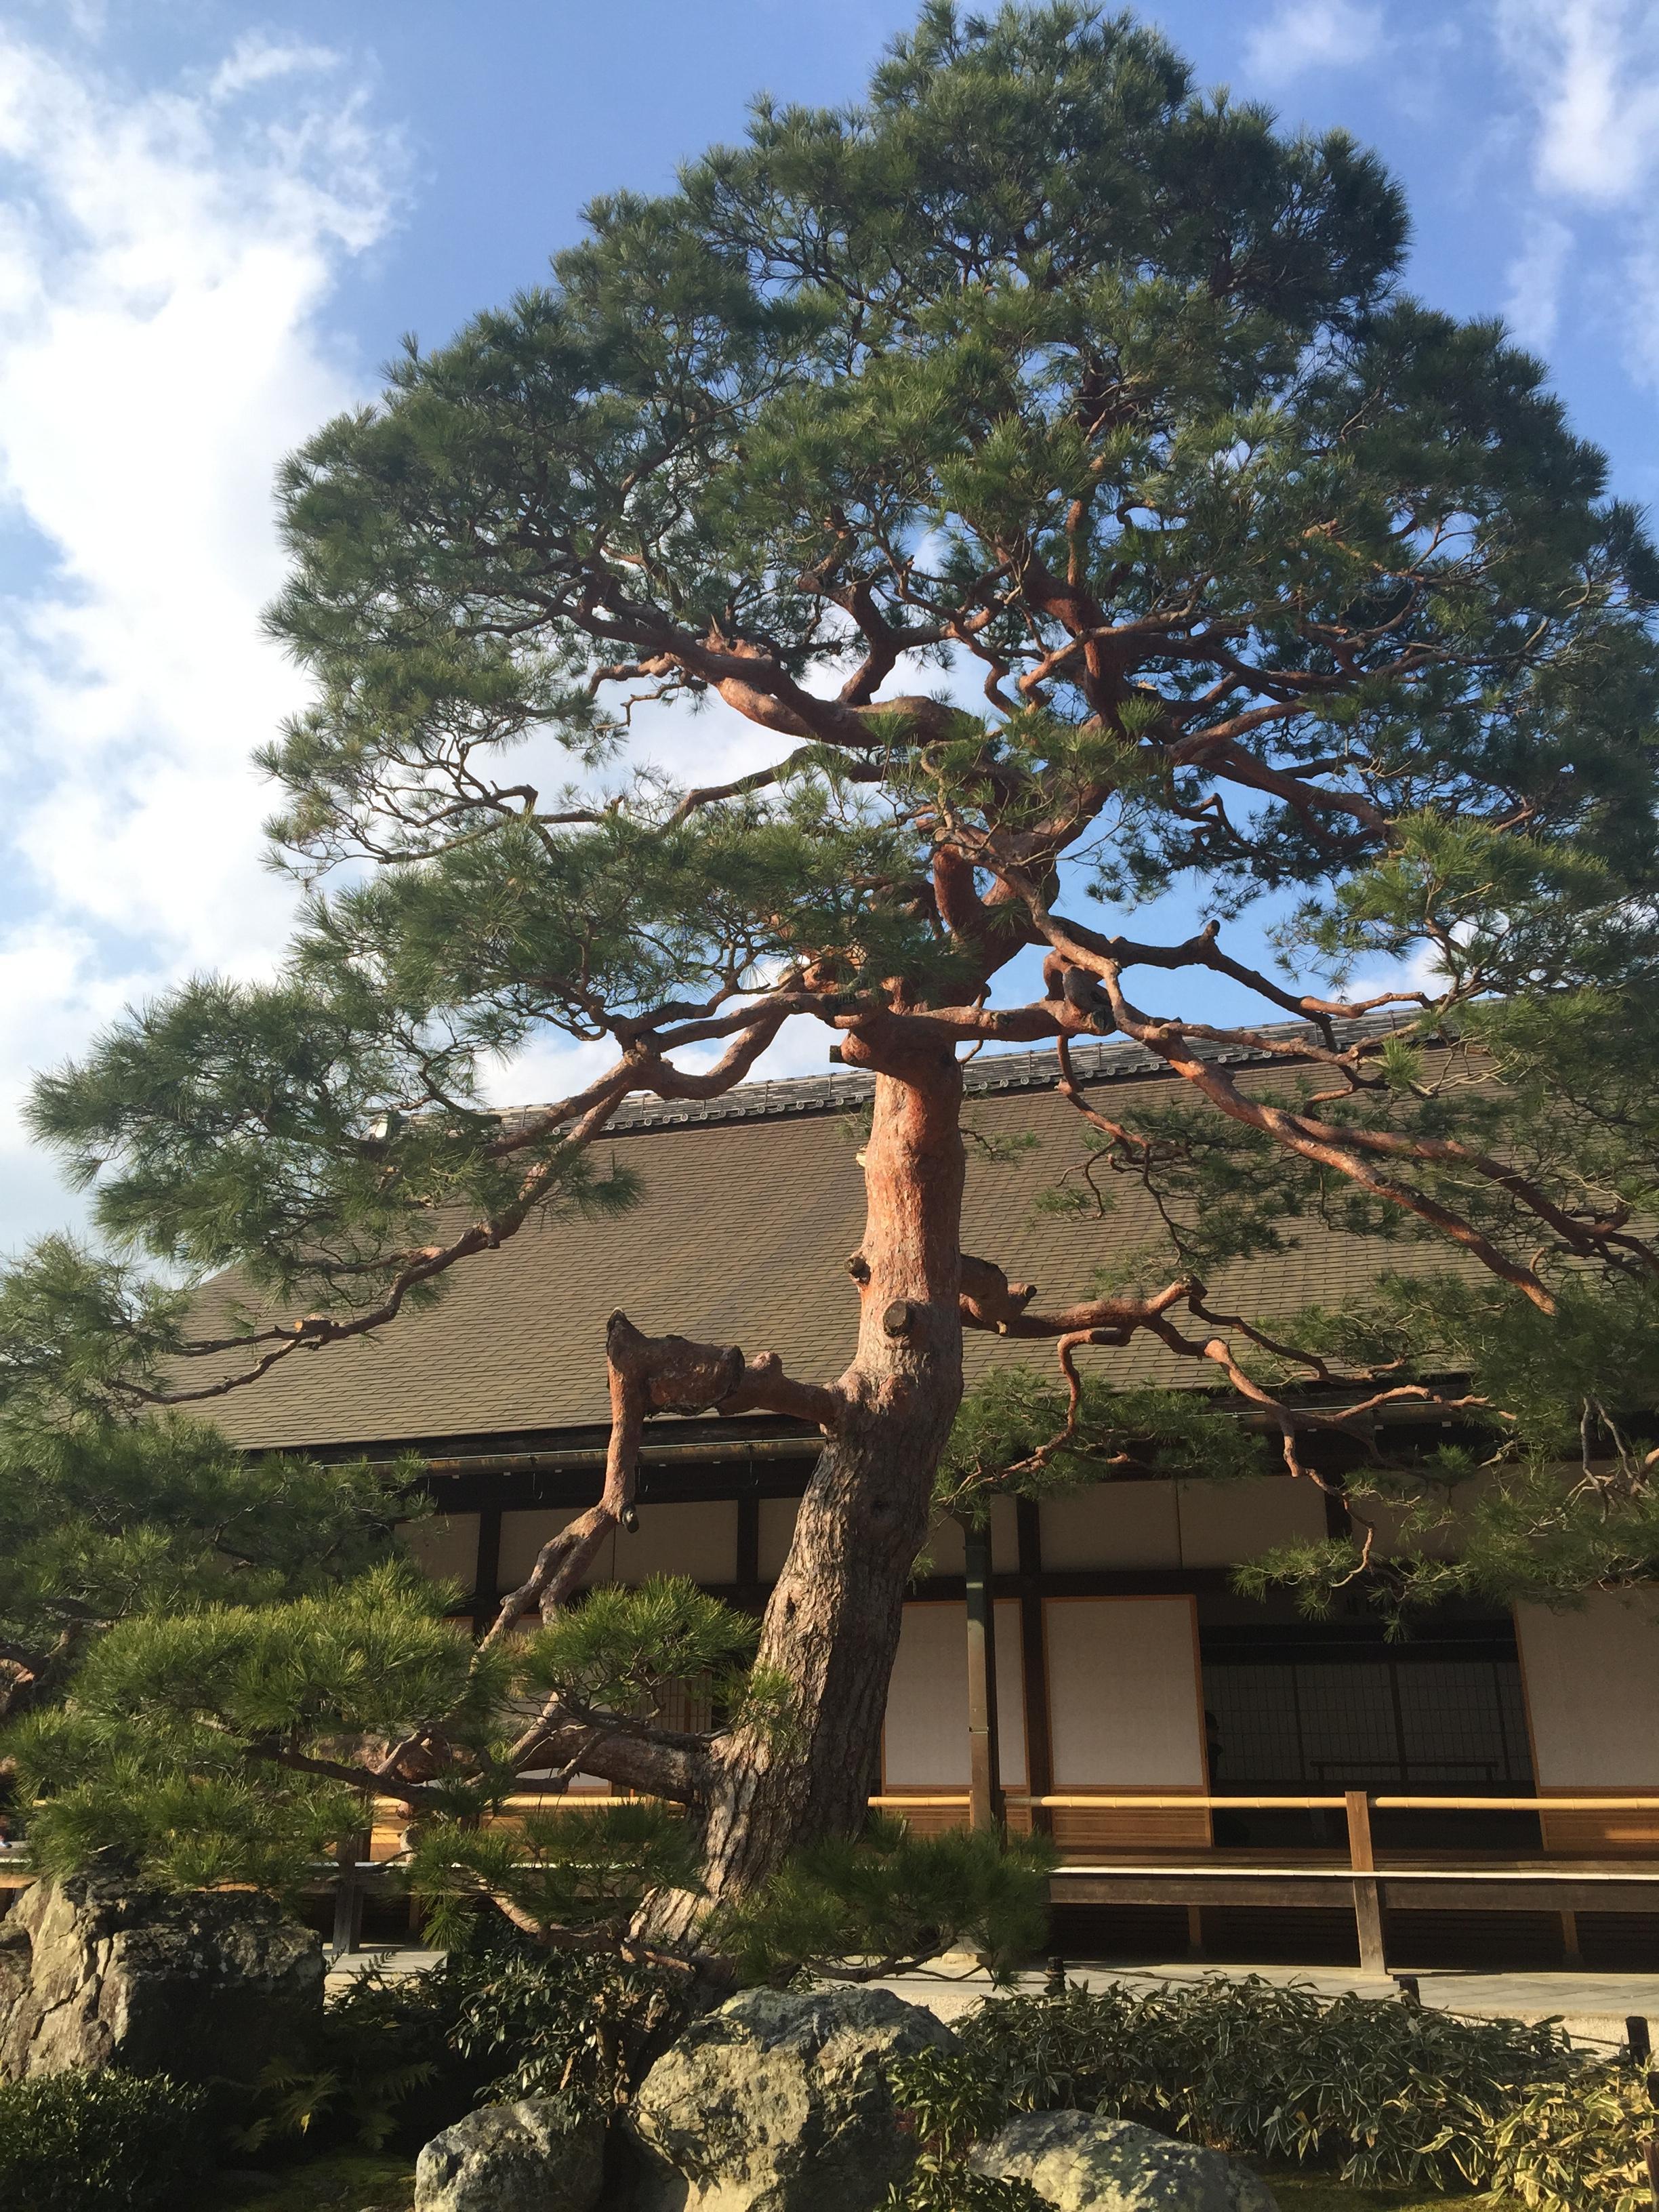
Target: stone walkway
[{"x": 1592, "y": 2008}]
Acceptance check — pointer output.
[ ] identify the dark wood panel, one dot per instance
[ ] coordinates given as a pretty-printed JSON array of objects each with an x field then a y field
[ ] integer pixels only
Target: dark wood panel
[{"x": 1520, "y": 1895}]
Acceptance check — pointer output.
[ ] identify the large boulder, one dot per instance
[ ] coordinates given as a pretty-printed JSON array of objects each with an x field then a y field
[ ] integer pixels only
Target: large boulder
[
  {"x": 96, "y": 1972},
  {"x": 1085, "y": 2164},
  {"x": 538, "y": 2155},
  {"x": 782, "y": 2102}
]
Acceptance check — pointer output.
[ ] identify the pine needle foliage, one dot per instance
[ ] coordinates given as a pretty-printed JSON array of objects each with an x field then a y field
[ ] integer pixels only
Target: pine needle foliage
[
  {"x": 1090, "y": 409},
  {"x": 623, "y": 1641},
  {"x": 565, "y": 1874},
  {"x": 103, "y": 1518},
  {"x": 889, "y": 1900},
  {"x": 1012, "y": 1437},
  {"x": 237, "y": 1743},
  {"x": 248, "y": 1743}
]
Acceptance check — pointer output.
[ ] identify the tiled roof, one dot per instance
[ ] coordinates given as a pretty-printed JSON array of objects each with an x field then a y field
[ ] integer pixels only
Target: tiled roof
[
  {"x": 751, "y": 1205},
  {"x": 990, "y": 1074}
]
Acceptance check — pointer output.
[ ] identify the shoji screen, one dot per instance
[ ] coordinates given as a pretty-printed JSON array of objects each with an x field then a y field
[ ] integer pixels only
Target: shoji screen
[
  {"x": 925, "y": 1740},
  {"x": 1126, "y": 1716}
]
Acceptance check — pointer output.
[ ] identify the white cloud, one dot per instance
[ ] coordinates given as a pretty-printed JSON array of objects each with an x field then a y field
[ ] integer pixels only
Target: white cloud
[
  {"x": 1309, "y": 34},
  {"x": 1590, "y": 71},
  {"x": 1534, "y": 304},
  {"x": 164, "y": 259},
  {"x": 256, "y": 60}
]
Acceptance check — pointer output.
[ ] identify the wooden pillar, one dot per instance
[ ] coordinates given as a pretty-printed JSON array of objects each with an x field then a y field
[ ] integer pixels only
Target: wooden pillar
[
  {"x": 1571, "y": 1952},
  {"x": 1039, "y": 1755},
  {"x": 486, "y": 1569},
  {"x": 748, "y": 1562},
  {"x": 984, "y": 1765},
  {"x": 1367, "y": 1902},
  {"x": 349, "y": 1896}
]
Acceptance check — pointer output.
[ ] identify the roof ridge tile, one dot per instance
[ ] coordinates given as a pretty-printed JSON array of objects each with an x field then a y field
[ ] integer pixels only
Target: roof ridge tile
[{"x": 1032, "y": 1070}]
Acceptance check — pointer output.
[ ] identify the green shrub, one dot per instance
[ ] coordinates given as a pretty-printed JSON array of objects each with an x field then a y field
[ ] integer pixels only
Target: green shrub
[
  {"x": 1387, "y": 2094},
  {"x": 380, "y": 2042},
  {"x": 396, "y": 2060},
  {"x": 585, "y": 2025},
  {"x": 951, "y": 2105},
  {"x": 101, "y": 2142},
  {"x": 946, "y": 2185},
  {"x": 1579, "y": 2143}
]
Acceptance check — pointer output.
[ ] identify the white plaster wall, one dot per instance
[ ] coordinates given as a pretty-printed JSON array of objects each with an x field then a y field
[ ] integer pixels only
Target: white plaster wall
[
  {"x": 1222, "y": 1523},
  {"x": 1434, "y": 1543},
  {"x": 1112, "y": 1524},
  {"x": 1123, "y": 1699},
  {"x": 925, "y": 1740},
  {"x": 523, "y": 1536},
  {"x": 947, "y": 1552},
  {"x": 1592, "y": 1681},
  {"x": 444, "y": 1546},
  {"x": 700, "y": 1540},
  {"x": 777, "y": 1530}
]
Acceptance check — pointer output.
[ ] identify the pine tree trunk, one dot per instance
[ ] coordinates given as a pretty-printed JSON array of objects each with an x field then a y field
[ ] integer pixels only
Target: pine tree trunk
[{"x": 832, "y": 1625}]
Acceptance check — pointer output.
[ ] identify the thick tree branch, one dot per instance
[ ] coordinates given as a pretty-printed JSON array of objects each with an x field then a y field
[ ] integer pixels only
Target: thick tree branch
[
  {"x": 1324, "y": 1143},
  {"x": 647, "y": 1374},
  {"x": 657, "y": 1762},
  {"x": 1203, "y": 951}
]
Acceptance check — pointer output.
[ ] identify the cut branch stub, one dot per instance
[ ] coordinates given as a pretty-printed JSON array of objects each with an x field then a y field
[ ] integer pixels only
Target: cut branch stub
[
  {"x": 655, "y": 1374},
  {"x": 988, "y": 1298},
  {"x": 694, "y": 1375}
]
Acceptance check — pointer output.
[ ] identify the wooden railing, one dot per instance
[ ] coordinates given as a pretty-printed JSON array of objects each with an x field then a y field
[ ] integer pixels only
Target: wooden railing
[
  {"x": 1206, "y": 1876},
  {"x": 1195, "y": 1881},
  {"x": 1378, "y": 1803}
]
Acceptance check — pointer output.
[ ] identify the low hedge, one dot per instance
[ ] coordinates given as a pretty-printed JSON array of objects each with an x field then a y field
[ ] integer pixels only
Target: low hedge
[
  {"x": 1580, "y": 2144},
  {"x": 1388, "y": 2094},
  {"x": 1380, "y": 2093},
  {"x": 101, "y": 2142}
]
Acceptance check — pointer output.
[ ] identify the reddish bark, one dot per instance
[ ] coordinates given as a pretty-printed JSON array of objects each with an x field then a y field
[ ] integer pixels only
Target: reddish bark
[{"x": 832, "y": 1624}]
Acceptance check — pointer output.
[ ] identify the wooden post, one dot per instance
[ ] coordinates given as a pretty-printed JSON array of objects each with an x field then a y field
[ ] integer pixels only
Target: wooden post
[
  {"x": 487, "y": 1568},
  {"x": 1572, "y": 1954},
  {"x": 349, "y": 1896},
  {"x": 749, "y": 1547},
  {"x": 1195, "y": 1931},
  {"x": 1034, "y": 1672},
  {"x": 984, "y": 1775},
  {"x": 1367, "y": 1903}
]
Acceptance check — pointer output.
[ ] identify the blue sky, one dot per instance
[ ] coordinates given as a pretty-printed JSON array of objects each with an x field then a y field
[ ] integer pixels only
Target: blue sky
[{"x": 217, "y": 219}]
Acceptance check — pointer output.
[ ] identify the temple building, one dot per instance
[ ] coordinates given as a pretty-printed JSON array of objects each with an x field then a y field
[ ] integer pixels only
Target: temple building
[{"x": 1133, "y": 1683}]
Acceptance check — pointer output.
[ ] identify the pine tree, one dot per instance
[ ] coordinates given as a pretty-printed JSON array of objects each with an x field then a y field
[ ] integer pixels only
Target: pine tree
[
  {"x": 103, "y": 1522},
  {"x": 1045, "y": 455}
]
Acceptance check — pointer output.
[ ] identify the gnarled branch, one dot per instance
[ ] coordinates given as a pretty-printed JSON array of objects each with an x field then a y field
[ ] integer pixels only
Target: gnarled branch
[{"x": 654, "y": 1374}]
